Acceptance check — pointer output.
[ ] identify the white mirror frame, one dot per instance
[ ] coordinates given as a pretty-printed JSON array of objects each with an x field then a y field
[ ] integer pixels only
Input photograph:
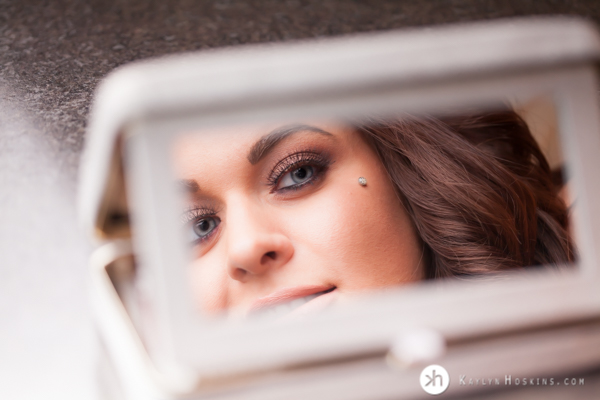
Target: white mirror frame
[{"x": 355, "y": 77}]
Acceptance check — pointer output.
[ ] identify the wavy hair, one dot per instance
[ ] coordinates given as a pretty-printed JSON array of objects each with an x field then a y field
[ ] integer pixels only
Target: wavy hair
[{"x": 478, "y": 189}]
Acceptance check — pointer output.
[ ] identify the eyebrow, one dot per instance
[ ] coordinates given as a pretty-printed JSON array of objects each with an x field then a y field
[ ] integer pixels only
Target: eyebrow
[
  {"x": 266, "y": 143},
  {"x": 260, "y": 149}
]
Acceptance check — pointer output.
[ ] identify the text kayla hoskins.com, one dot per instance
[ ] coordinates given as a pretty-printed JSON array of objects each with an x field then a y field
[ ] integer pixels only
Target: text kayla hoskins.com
[{"x": 509, "y": 380}]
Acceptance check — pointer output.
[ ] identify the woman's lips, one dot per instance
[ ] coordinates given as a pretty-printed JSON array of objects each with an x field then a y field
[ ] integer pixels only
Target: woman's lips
[{"x": 298, "y": 298}]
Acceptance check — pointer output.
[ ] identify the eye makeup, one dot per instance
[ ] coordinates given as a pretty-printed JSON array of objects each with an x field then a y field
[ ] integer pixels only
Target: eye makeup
[
  {"x": 312, "y": 164},
  {"x": 299, "y": 168}
]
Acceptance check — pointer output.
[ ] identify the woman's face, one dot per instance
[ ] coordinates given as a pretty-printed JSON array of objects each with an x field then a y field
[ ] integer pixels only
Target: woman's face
[{"x": 279, "y": 221}]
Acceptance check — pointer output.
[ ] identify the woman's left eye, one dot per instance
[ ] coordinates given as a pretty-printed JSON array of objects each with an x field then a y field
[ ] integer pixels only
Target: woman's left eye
[
  {"x": 299, "y": 169},
  {"x": 297, "y": 177}
]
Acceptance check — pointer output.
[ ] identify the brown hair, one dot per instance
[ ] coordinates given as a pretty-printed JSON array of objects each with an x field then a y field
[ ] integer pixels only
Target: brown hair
[{"x": 478, "y": 189}]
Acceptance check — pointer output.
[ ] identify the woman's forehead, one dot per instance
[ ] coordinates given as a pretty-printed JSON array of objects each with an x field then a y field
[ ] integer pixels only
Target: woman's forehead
[
  {"x": 235, "y": 136},
  {"x": 248, "y": 142}
]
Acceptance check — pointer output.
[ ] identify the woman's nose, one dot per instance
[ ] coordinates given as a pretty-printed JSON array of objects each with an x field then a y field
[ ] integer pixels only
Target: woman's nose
[{"x": 255, "y": 247}]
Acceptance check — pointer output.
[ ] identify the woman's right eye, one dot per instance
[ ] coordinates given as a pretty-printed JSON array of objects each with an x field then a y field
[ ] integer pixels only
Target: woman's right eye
[{"x": 201, "y": 228}]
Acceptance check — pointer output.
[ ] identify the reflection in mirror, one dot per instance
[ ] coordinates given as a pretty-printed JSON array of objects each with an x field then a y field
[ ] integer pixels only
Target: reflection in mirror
[{"x": 286, "y": 219}]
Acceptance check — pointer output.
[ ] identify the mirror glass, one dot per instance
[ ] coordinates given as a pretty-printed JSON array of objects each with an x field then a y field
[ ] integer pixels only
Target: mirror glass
[{"x": 286, "y": 218}]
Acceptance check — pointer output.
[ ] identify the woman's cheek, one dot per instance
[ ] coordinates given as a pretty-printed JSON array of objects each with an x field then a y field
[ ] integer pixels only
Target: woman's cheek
[
  {"x": 334, "y": 230},
  {"x": 209, "y": 283},
  {"x": 361, "y": 237}
]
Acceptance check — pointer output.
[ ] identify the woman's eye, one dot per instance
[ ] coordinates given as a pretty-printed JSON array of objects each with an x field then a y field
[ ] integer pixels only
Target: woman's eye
[
  {"x": 297, "y": 176},
  {"x": 201, "y": 228}
]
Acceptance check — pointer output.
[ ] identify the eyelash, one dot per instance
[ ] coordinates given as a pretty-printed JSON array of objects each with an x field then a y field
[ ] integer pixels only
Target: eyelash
[{"x": 299, "y": 159}]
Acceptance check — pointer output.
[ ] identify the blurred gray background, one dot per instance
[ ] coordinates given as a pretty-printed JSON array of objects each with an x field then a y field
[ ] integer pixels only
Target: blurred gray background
[{"x": 52, "y": 56}]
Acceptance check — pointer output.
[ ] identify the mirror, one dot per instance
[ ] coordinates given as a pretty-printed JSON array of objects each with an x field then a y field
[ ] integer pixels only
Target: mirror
[
  {"x": 307, "y": 204},
  {"x": 286, "y": 218}
]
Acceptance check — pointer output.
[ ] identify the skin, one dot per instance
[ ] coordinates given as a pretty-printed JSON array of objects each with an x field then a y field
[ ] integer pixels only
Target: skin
[{"x": 329, "y": 232}]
